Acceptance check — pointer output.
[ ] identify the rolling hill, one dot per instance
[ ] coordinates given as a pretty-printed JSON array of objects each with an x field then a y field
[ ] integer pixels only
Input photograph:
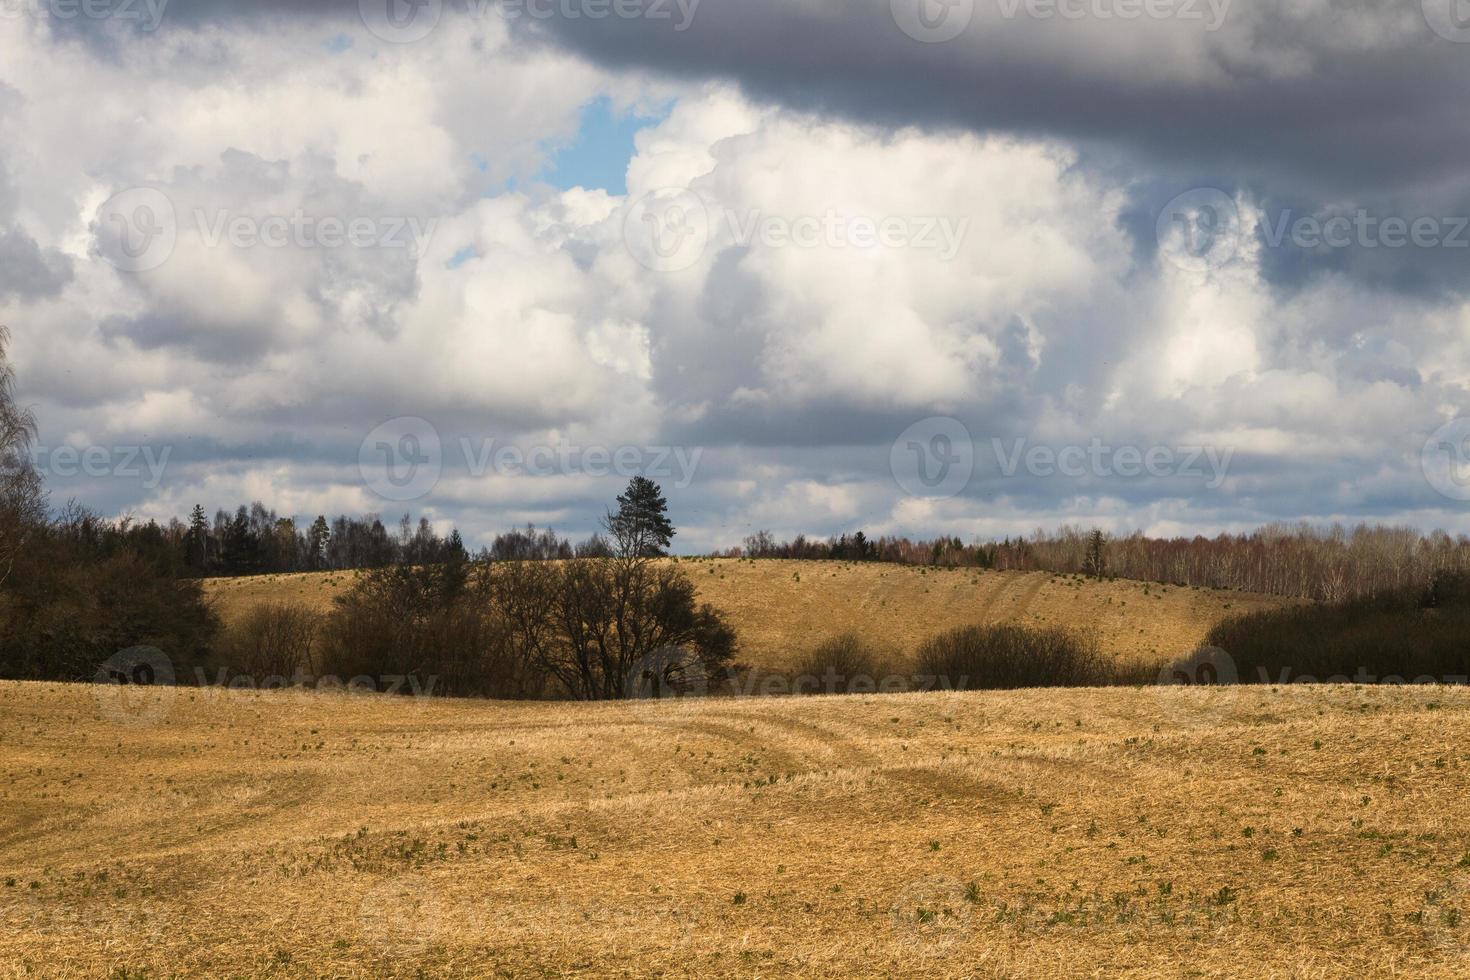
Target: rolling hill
[{"x": 780, "y": 608}]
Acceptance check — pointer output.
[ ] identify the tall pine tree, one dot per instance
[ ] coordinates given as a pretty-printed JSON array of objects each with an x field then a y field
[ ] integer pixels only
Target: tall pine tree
[
  {"x": 198, "y": 555},
  {"x": 640, "y": 527}
]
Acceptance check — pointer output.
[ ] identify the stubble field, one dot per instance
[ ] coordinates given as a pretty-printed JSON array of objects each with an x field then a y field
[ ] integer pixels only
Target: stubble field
[{"x": 1155, "y": 832}]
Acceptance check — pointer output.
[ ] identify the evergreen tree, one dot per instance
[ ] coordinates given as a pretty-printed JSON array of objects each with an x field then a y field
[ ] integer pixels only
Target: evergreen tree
[
  {"x": 317, "y": 540},
  {"x": 198, "y": 553},
  {"x": 1095, "y": 563},
  {"x": 640, "y": 527}
]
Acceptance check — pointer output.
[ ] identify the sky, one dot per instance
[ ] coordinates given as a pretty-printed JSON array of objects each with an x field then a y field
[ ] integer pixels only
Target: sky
[{"x": 921, "y": 267}]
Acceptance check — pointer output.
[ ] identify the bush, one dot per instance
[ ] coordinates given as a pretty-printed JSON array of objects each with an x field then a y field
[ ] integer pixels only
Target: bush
[
  {"x": 1004, "y": 657},
  {"x": 1406, "y": 635},
  {"x": 273, "y": 640},
  {"x": 433, "y": 624},
  {"x": 847, "y": 664}
]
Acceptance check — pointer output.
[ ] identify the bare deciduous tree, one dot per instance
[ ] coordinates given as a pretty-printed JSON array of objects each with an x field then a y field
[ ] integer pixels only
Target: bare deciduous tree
[{"x": 22, "y": 496}]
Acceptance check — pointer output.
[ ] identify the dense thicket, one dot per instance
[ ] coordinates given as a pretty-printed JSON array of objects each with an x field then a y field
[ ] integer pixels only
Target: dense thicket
[
  {"x": 1009, "y": 656},
  {"x": 1398, "y": 636},
  {"x": 71, "y": 603},
  {"x": 584, "y": 629}
]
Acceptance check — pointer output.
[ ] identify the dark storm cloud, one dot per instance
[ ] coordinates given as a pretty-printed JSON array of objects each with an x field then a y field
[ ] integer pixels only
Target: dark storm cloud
[{"x": 1378, "y": 116}]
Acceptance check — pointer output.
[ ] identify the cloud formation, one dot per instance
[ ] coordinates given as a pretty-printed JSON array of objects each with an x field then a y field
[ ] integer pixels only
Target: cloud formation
[{"x": 279, "y": 230}]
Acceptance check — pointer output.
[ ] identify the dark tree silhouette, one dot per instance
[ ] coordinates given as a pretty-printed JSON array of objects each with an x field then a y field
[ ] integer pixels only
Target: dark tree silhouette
[{"x": 640, "y": 527}]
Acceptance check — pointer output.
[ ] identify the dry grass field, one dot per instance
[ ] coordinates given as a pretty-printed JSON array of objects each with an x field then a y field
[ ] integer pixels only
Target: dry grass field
[
  {"x": 1307, "y": 832},
  {"x": 780, "y": 608}
]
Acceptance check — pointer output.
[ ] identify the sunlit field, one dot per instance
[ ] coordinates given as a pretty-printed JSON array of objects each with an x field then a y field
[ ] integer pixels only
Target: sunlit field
[{"x": 1208, "y": 832}]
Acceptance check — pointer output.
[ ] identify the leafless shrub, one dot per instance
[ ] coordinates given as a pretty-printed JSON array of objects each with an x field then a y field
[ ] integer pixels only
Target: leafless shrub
[
  {"x": 274, "y": 640},
  {"x": 848, "y": 664},
  {"x": 1009, "y": 656}
]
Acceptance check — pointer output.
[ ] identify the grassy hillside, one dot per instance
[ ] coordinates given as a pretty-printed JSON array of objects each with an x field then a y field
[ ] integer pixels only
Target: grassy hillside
[
  {"x": 781, "y": 607},
  {"x": 1224, "y": 832}
]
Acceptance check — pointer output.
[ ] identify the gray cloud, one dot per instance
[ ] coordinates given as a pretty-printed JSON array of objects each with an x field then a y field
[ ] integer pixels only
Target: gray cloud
[{"x": 27, "y": 271}]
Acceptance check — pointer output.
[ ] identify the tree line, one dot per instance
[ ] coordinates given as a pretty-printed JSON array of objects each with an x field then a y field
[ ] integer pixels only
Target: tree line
[
  {"x": 255, "y": 540},
  {"x": 1300, "y": 560}
]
